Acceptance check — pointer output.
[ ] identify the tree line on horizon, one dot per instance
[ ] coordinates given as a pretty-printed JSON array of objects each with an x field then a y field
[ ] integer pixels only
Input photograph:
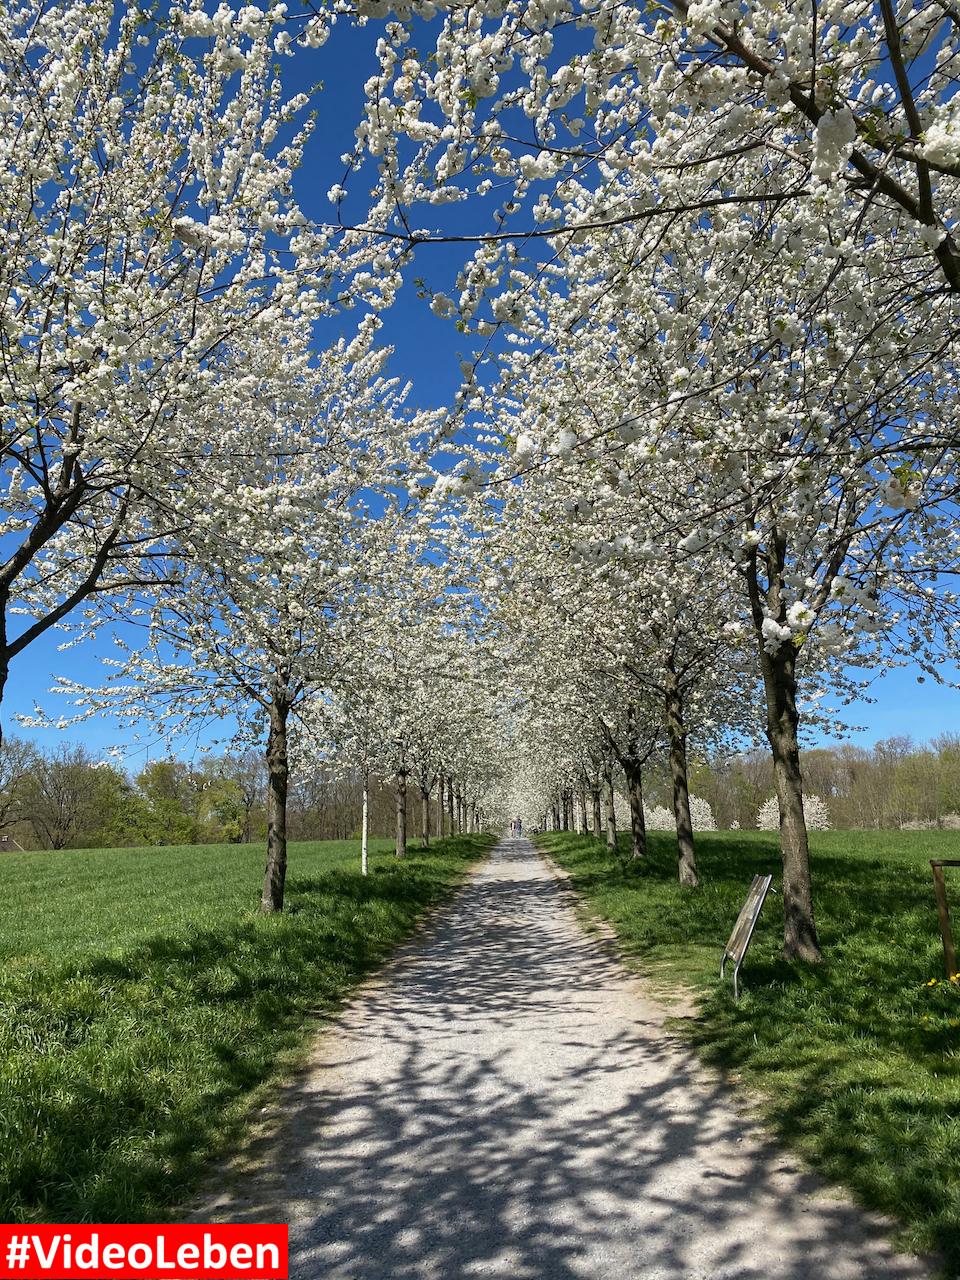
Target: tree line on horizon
[{"x": 66, "y": 797}]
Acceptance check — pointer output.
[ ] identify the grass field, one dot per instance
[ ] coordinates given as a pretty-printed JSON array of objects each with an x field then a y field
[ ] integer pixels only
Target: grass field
[
  {"x": 144, "y": 1003},
  {"x": 859, "y": 1058}
]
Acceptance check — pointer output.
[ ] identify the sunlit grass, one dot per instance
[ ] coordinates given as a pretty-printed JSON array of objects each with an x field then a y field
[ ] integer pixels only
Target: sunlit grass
[
  {"x": 143, "y": 1001},
  {"x": 858, "y": 1058}
]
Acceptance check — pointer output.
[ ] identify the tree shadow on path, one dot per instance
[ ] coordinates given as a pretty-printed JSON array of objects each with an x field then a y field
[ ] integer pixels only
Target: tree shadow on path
[{"x": 506, "y": 1102}]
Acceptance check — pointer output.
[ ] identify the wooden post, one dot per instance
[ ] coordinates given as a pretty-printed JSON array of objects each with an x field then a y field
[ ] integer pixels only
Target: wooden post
[{"x": 943, "y": 911}]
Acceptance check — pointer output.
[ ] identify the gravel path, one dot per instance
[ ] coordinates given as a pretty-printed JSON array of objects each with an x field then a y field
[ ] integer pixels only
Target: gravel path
[{"x": 507, "y": 1103}]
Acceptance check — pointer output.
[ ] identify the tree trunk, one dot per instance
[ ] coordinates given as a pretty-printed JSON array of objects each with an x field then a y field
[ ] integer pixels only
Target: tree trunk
[
  {"x": 4, "y": 672},
  {"x": 440, "y": 794},
  {"x": 278, "y": 774},
  {"x": 676, "y": 730},
  {"x": 597, "y": 814},
  {"x": 611, "y": 812},
  {"x": 450, "y": 805},
  {"x": 401, "y": 846},
  {"x": 638, "y": 828},
  {"x": 800, "y": 940},
  {"x": 424, "y": 817},
  {"x": 582, "y": 801},
  {"x": 365, "y": 825}
]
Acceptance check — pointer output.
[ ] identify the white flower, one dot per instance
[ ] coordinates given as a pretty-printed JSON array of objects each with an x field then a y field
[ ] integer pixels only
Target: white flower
[
  {"x": 832, "y": 143},
  {"x": 316, "y": 34},
  {"x": 702, "y": 16},
  {"x": 799, "y": 616},
  {"x": 941, "y": 142},
  {"x": 196, "y": 23},
  {"x": 773, "y": 634},
  {"x": 694, "y": 541},
  {"x": 251, "y": 20},
  {"x": 190, "y": 232},
  {"x": 566, "y": 442},
  {"x": 534, "y": 167},
  {"x": 232, "y": 59},
  {"x": 441, "y": 305}
]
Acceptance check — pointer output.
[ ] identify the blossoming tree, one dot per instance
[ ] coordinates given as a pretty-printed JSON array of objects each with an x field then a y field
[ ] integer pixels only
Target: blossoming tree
[
  {"x": 270, "y": 576},
  {"x": 146, "y": 194}
]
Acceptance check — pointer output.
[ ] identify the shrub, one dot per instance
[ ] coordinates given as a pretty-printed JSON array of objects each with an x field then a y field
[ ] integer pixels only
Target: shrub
[
  {"x": 658, "y": 819},
  {"x": 701, "y": 815},
  {"x": 815, "y": 812}
]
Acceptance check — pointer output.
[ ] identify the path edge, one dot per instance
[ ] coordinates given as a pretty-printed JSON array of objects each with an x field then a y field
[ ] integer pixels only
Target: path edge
[
  {"x": 752, "y": 1100},
  {"x": 264, "y": 1123}
]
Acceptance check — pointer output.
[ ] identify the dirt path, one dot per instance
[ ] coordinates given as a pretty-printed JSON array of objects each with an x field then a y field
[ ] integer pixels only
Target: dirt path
[{"x": 507, "y": 1103}]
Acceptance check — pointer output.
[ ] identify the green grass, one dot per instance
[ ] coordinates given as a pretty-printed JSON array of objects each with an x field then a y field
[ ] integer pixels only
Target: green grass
[
  {"x": 857, "y": 1059},
  {"x": 144, "y": 1005}
]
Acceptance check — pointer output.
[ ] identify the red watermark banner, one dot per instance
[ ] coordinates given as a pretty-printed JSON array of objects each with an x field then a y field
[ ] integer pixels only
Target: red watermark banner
[{"x": 98, "y": 1252}]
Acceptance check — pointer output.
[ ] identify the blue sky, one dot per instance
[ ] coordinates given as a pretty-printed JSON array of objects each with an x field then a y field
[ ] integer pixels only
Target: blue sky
[{"x": 426, "y": 352}]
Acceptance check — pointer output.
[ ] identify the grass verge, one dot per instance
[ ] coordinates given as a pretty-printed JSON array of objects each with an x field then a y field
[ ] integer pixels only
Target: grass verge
[
  {"x": 857, "y": 1059},
  {"x": 143, "y": 1002}
]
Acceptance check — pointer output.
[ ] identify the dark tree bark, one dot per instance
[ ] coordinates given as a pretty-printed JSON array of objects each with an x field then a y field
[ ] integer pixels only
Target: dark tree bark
[
  {"x": 400, "y": 850},
  {"x": 424, "y": 816},
  {"x": 278, "y": 777},
  {"x": 638, "y": 827},
  {"x": 800, "y": 941},
  {"x": 611, "y": 812},
  {"x": 677, "y": 733},
  {"x": 633, "y": 772},
  {"x": 582, "y": 802},
  {"x": 4, "y": 670},
  {"x": 441, "y": 784},
  {"x": 597, "y": 812},
  {"x": 453, "y": 828},
  {"x": 779, "y": 671}
]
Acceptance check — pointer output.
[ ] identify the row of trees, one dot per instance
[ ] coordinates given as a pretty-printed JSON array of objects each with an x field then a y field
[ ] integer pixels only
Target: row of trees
[
  {"x": 66, "y": 798},
  {"x": 701, "y": 470},
  {"x": 729, "y": 382},
  {"x": 182, "y": 459},
  {"x": 894, "y": 784}
]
